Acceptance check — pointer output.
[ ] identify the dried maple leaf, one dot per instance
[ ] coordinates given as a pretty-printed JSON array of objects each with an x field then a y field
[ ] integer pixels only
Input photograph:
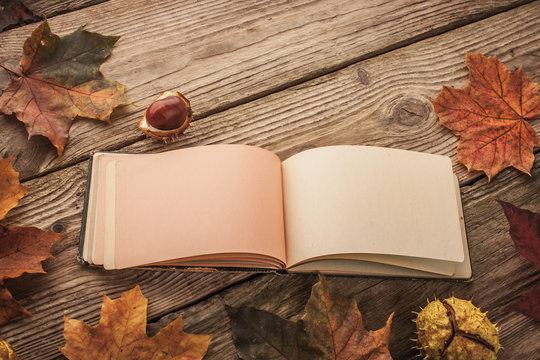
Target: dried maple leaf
[
  {"x": 334, "y": 321},
  {"x": 14, "y": 12},
  {"x": 525, "y": 232},
  {"x": 528, "y": 304},
  {"x": 491, "y": 116},
  {"x": 10, "y": 189},
  {"x": 330, "y": 329},
  {"x": 22, "y": 249},
  {"x": 121, "y": 334},
  {"x": 6, "y": 352},
  {"x": 10, "y": 309},
  {"x": 59, "y": 81}
]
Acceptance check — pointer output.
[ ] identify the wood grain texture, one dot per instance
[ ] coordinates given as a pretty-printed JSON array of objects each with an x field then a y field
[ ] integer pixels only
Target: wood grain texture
[
  {"x": 377, "y": 101},
  {"x": 50, "y": 8},
  {"x": 500, "y": 276},
  {"x": 221, "y": 53},
  {"x": 381, "y": 101}
]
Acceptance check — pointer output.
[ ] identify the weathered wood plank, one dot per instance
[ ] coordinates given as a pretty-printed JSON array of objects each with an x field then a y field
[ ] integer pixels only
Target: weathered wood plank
[
  {"x": 381, "y": 101},
  {"x": 54, "y": 202},
  {"x": 287, "y": 122},
  {"x": 221, "y": 54},
  {"x": 50, "y": 8},
  {"x": 500, "y": 276}
]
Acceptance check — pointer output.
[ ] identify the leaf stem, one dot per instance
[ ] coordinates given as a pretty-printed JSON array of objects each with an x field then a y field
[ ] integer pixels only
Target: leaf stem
[
  {"x": 533, "y": 118},
  {"x": 11, "y": 71}
]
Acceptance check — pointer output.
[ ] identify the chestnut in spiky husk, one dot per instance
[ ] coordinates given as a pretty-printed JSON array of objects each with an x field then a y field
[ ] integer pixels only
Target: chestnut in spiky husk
[
  {"x": 455, "y": 329},
  {"x": 167, "y": 117}
]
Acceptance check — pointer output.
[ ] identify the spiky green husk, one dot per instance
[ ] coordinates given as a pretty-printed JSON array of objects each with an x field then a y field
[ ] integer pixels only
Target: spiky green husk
[{"x": 455, "y": 329}]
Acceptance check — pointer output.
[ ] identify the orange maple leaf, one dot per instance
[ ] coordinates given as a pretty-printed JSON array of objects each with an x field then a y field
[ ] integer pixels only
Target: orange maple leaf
[
  {"x": 121, "y": 334},
  {"x": 59, "y": 81},
  {"x": 491, "y": 116},
  {"x": 11, "y": 191}
]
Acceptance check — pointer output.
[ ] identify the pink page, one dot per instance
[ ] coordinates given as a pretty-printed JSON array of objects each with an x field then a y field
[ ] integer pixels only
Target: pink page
[
  {"x": 98, "y": 231},
  {"x": 195, "y": 201}
]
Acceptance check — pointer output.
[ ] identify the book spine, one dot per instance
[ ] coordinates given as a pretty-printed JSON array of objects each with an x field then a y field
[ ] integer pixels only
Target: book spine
[{"x": 85, "y": 212}]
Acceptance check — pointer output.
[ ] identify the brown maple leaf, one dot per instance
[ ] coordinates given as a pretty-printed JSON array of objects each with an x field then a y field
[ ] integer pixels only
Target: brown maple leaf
[
  {"x": 22, "y": 249},
  {"x": 11, "y": 191},
  {"x": 334, "y": 321},
  {"x": 525, "y": 232},
  {"x": 59, "y": 81},
  {"x": 121, "y": 334},
  {"x": 330, "y": 329},
  {"x": 10, "y": 309},
  {"x": 14, "y": 12},
  {"x": 491, "y": 116}
]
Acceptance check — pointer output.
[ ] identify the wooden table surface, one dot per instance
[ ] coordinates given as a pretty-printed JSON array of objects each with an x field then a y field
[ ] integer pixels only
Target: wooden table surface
[{"x": 285, "y": 76}]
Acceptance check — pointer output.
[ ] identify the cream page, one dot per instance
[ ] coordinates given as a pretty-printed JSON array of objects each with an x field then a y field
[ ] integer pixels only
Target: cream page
[
  {"x": 95, "y": 222},
  {"x": 203, "y": 200},
  {"x": 386, "y": 205}
]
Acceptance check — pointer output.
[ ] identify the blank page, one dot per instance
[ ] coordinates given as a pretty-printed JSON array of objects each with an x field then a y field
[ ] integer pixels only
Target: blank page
[
  {"x": 196, "y": 201},
  {"x": 369, "y": 200}
]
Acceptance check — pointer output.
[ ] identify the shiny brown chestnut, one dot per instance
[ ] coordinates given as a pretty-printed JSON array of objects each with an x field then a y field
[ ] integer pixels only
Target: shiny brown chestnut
[{"x": 167, "y": 117}]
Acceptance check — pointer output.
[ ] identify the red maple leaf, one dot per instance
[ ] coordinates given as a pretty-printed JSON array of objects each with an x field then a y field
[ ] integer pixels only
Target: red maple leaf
[
  {"x": 528, "y": 304},
  {"x": 525, "y": 232},
  {"x": 491, "y": 116}
]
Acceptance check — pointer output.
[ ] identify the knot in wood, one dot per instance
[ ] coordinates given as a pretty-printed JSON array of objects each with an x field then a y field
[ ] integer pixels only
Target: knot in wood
[
  {"x": 410, "y": 111},
  {"x": 58, "y": 227},
  {"x": 363, "y": 76}
]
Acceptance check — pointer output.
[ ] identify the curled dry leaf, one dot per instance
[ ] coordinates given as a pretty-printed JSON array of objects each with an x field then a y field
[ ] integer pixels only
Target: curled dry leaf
[
  {"x": 491, "y": 116},
  {"x": 525, "y": 232},
  {"x": 10, "y": 309},
  {"x": 331, "y": 328},
  {"x": 6, "y": 352},
  {"x": 60, "y": 80},
  {"x": 21, "y": 250},
  {"x": 10, "y": 189},
  {"x": 121, "y": 334}
]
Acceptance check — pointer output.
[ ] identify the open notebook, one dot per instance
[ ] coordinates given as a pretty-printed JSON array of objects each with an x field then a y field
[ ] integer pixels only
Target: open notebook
[{"x": 338, "y": 209}]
